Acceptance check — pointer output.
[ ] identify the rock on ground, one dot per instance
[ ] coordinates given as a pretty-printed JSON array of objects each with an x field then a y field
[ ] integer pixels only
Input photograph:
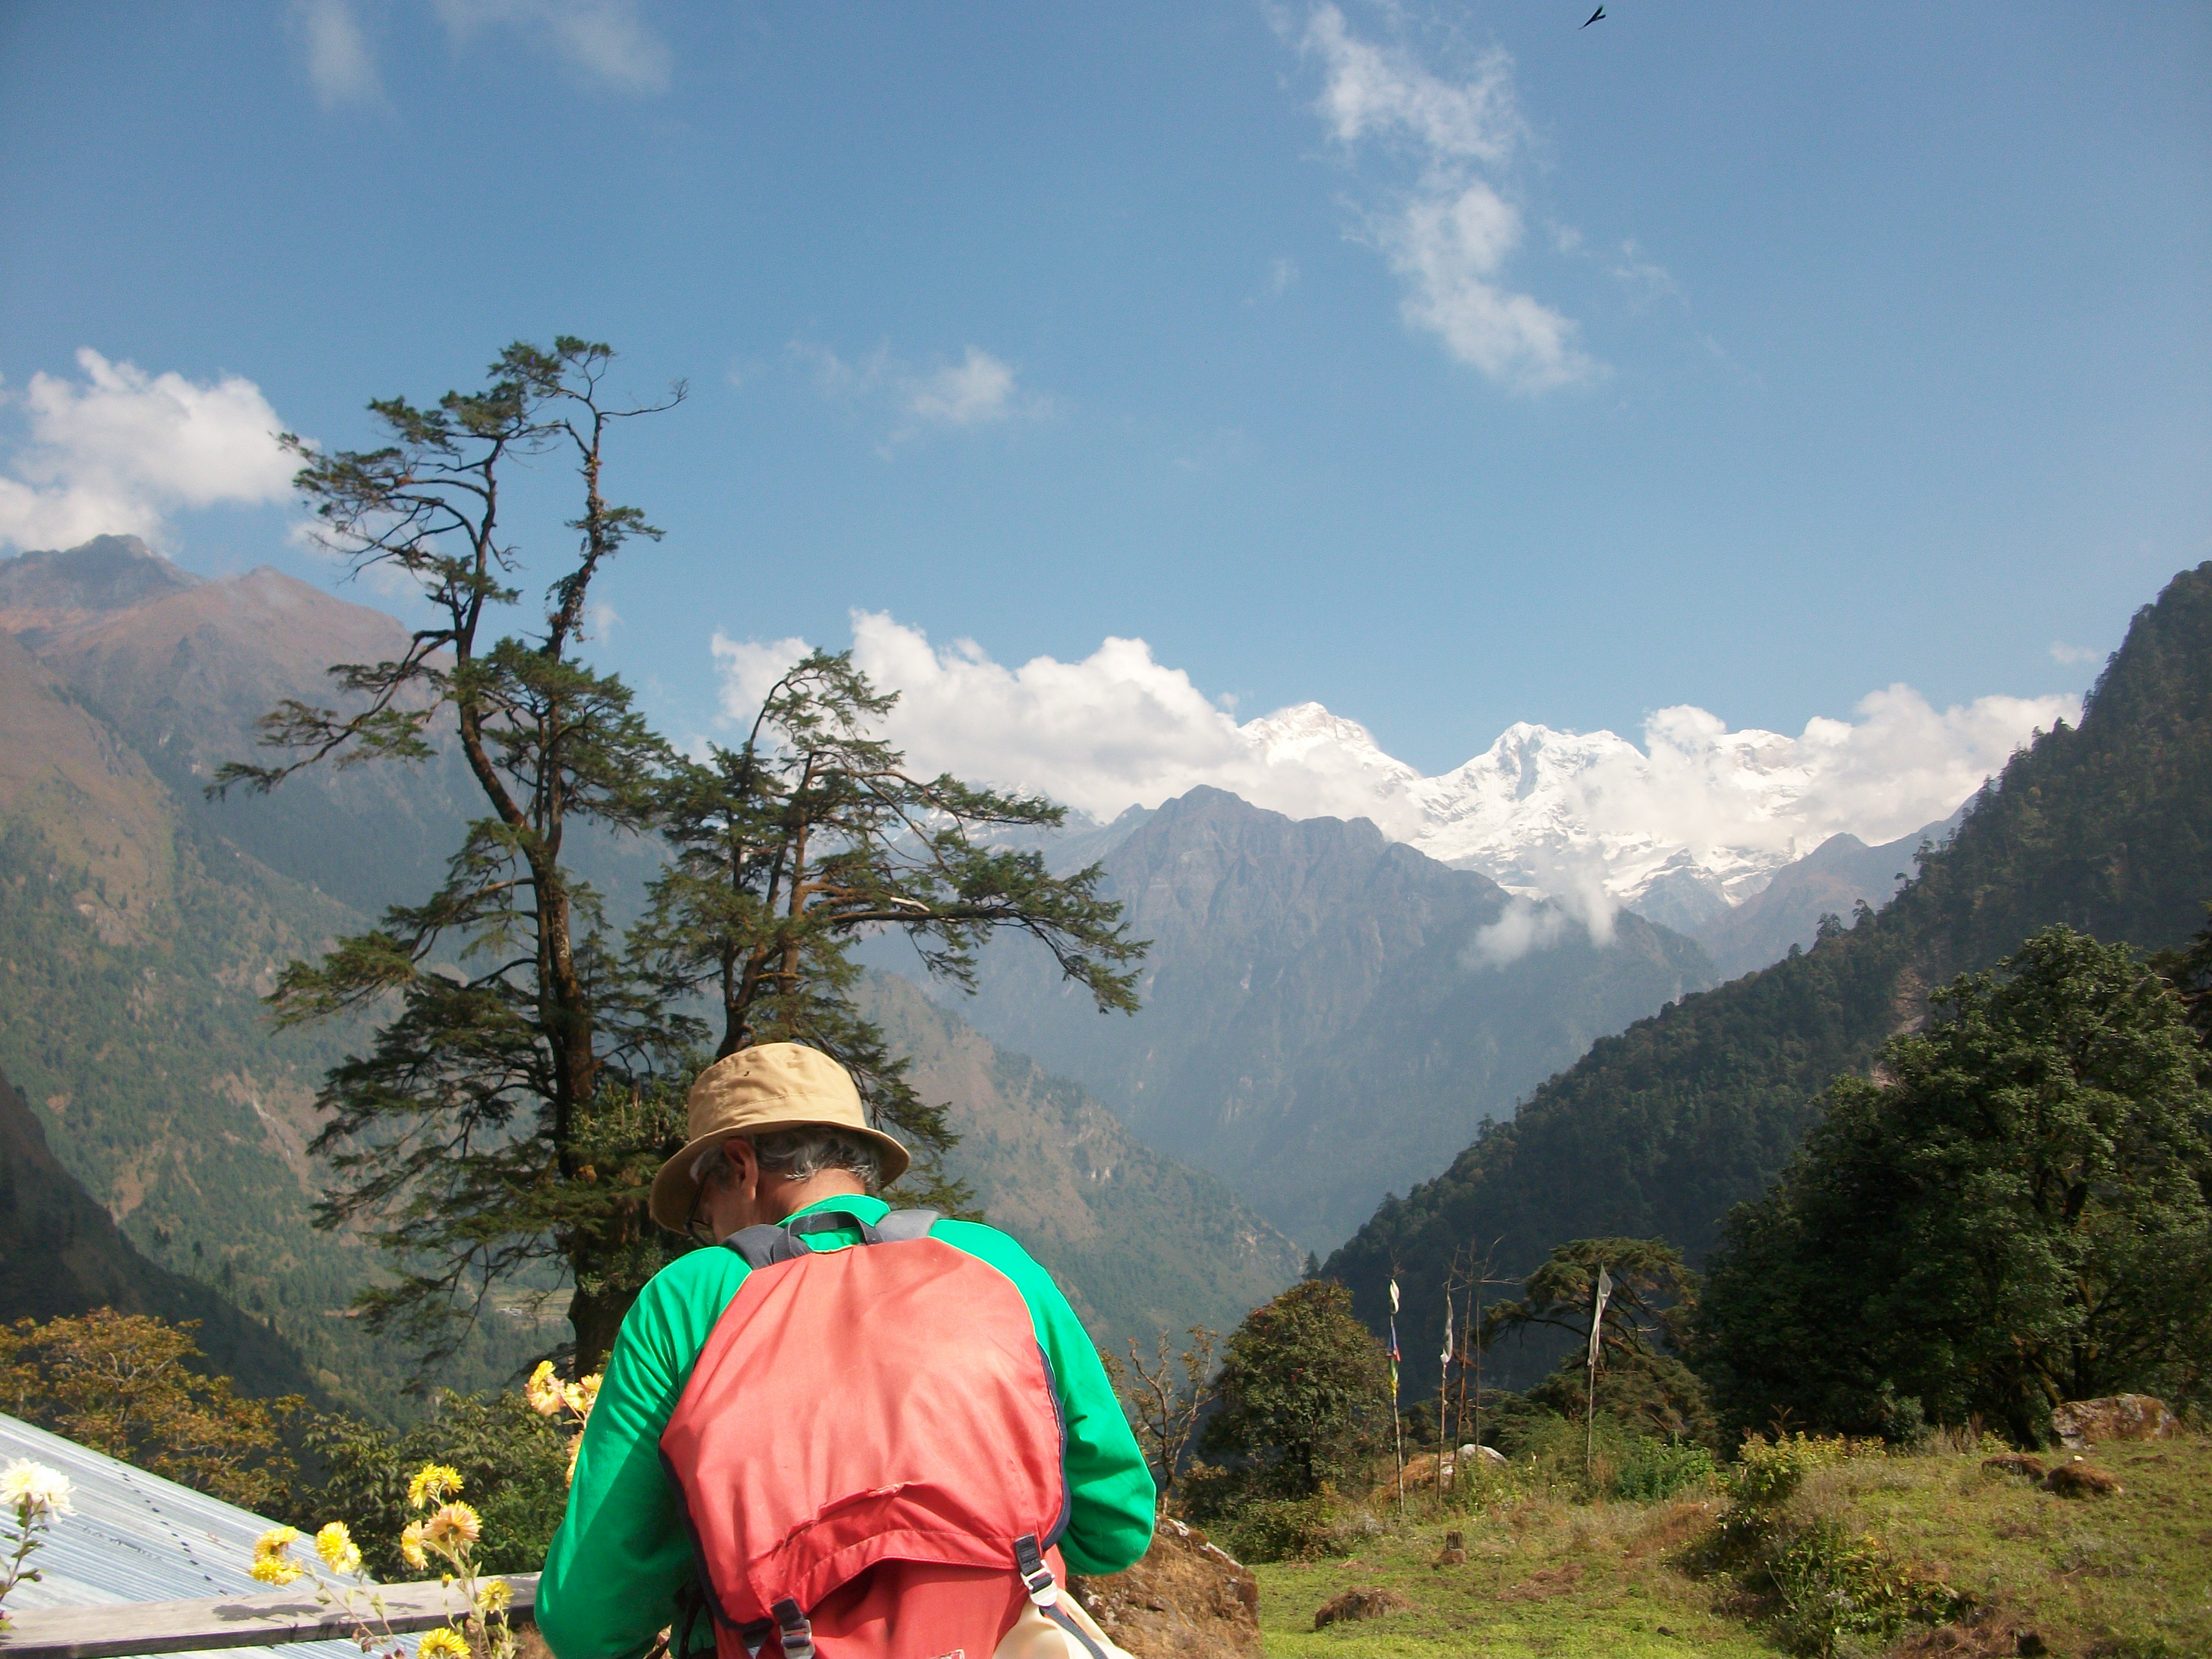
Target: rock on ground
[
  {"x": 2079, "y": 1480},
  {"x": 2019, "y": 1463},
  {"x": 1188, "y": 1599},
  {"x": 2081, "y": 1423},
  {"x": 1365, "y": 1603}
]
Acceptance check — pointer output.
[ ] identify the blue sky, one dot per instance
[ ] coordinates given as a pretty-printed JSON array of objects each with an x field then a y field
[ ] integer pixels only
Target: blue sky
[{"x": 1448, "y": 366}]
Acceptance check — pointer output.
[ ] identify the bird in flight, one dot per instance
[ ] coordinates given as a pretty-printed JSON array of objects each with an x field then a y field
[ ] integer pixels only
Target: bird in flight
[{"x": 1593, "y": 16}]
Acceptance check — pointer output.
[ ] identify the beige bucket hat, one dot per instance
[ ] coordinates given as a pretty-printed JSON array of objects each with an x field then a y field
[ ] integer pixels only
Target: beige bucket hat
[{"x": 757, "y": 1090}]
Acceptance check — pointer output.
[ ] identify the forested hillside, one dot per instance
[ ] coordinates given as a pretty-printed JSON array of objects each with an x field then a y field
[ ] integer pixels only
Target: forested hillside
[
  {"x": 1140, "y": 1242},
  {"x": 141, "y": 924},
  {"x": 1325, "y": 1016},
  {"x": 2106, "y": 827},
  {"x": 61, "y": 1254}
]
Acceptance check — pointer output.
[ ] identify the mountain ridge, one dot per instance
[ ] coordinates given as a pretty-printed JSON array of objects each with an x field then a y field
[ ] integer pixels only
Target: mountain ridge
[
  {"x": 2105, "y": 826},
  {"x": 1327, "y": 1012},
  {"x": 140, "y": 922}
]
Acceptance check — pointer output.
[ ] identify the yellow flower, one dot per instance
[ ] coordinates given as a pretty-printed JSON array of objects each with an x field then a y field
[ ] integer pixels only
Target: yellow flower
[
  {"x": 411, "y": 1547},
  {"x": 335, "y": 1546},
  {"x": 451, "y": 1526},
  {"x": 274, "y": 1569},
  {"x": 493, "y": 1595},
  {"x": 543, "y": 1390},
  {"x": 443, "y": 1643},
  {"x": 272, "y": 1544},
  {"x": 432, "y": 1481}
]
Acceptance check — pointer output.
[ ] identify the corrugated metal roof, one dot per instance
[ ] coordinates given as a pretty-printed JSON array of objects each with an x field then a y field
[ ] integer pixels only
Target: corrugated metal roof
[{"x": 135, "y": 1537}]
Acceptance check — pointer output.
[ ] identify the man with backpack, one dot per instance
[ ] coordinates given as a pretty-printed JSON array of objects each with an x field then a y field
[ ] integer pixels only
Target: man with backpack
[{"x": 845, "y": 1431}]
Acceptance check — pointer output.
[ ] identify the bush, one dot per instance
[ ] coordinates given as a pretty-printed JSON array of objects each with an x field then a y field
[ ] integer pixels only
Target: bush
[
  {"x": 1830, "y": 1586},
  {"x": 514, "y": 1465},
  {"x": 1283, "y": 1528},
  {"x": 1655, "y": 1470},
  {"x": 1305, "y": 1394},
  {"x": 1767, "y": 1473},
  {"x": 1818, "y": 1586}
]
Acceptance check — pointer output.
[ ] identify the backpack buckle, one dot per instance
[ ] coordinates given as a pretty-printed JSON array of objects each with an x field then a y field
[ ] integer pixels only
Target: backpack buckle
[
  {"x": 793, "y": 1632},
  {"x": 1037, "y": 1577}
]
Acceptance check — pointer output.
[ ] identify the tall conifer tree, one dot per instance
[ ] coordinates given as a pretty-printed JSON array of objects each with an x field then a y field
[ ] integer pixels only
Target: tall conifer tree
[
  {"x": 813, "y": 833},
  {"x": 507, "y": 1111}
]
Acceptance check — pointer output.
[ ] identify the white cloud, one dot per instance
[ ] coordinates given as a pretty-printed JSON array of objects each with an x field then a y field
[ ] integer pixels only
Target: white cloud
[
  {"x": 341, "y": 66},
  {"x": 1590, "y": 820},
  {"x": 1447, "y": 247},
  {"x": 116, "y": 452},
  {"x": 606, "y": 39},
  {"x": 1448, "y": 233},
  {"x": 2073, "y": 655},
  {"x": 980, "y": 390},
  {"x": 1382, "y": 91},
  {"x": 981, "y": 387},
  {"x": 1524, "y": 926},
  {"x": 748, "y": 669}
]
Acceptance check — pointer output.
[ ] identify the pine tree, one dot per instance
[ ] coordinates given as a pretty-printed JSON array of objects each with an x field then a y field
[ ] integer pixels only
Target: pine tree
[
  {"x": 812, "y": 834},
  {"x": 506, "y": 1116},
  {"x": 1638, "y": 1381}
]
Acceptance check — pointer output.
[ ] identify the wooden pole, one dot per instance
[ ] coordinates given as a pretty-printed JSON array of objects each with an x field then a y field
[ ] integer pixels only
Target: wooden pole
[
  {"x": 1466, "y": 1340},
  {"x": 1443, "y": 1385},
  {"x": 1589, "y": 1423}
]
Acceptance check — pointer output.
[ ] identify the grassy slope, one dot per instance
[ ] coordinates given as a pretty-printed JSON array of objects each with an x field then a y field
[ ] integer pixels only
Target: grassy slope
[
  {"x": 2122, "y": 1574},
  {"x": 1540, "y": 1578}
]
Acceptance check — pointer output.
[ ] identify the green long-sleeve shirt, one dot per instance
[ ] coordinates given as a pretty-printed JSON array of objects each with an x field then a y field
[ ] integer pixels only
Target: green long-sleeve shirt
[{"x": 621, "y": 1552}]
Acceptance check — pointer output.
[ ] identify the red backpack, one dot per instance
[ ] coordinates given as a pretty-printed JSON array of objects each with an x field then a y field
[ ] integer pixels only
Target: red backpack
[{"x": 869, "y": 1452}]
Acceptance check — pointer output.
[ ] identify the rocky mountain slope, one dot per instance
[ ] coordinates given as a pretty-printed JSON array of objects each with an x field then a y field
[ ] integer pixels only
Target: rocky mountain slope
[
  {"x": 2106, "y": 827},
  {"x": 1833, "y": 879},
  {"x": 1140, "y": 1242},
  {"x": 1328, "y": 1013},
  {"x": 140, "y": 922}
]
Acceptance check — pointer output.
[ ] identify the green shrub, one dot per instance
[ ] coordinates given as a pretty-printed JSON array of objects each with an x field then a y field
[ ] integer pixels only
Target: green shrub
[
  {"x": 1283, "y": 1528},
  {"x": 1656, "y": 1469},
  {"x": 1819, "y": 1586},
  {"x": 1830, "y": 1586},
  {"x": 513, "y": 1465},
  {"x": 1767, "y": 1472}
]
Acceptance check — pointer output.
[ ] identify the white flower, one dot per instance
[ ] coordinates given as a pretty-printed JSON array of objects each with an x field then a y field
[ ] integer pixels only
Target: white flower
[{"x": 46, "y": 1490}]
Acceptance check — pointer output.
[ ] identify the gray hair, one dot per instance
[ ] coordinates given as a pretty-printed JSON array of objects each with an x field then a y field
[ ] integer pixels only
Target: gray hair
[{"x": 798, "y": 1155}]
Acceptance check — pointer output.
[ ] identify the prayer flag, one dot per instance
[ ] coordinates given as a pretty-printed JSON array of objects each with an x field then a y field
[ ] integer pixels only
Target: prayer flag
[{"x": 1597, "y": 1315}]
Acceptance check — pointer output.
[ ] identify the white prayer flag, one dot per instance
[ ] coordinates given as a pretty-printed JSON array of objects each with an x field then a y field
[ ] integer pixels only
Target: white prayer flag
[
  {"x": 1597, "y": 1315},
  {"x": 1447, "y": 1331},
  {"x": 1393, "y": 1296}
]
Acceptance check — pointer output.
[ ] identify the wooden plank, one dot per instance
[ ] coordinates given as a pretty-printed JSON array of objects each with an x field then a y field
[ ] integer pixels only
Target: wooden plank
[{"x": 230, "y": 1621}]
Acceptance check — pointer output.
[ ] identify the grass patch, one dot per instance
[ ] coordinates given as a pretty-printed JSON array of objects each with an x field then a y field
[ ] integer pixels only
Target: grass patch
[
  {"x": 1542, "y": 1576},
  {"x": 2127, "y": 1577}
]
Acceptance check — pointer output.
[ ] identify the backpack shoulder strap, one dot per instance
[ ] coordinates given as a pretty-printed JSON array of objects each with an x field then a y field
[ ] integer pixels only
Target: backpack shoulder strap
[
  {"x": 902, "y": 1225},
  {"x": 768, "y": 1243},
  {"x": 764, "y": 1246}
]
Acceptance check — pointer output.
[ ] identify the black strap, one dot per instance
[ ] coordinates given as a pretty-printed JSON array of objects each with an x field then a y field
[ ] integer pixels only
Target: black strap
[
  {"x": 1059, "y": 1616},
  {"x": 1037, "y": 1577},
  {"x": 793, "y": 1629},
  {"x": 769, "y": 1242}
]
